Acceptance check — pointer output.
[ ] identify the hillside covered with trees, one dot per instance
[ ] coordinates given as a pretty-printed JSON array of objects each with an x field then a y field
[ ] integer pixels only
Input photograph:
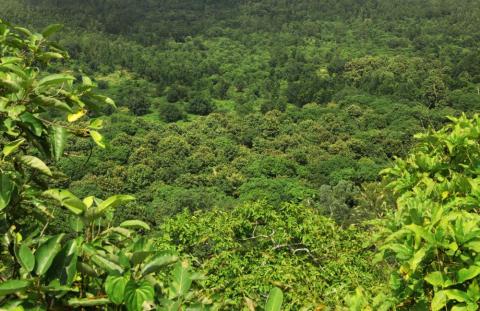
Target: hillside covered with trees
[{"x": 239, "y": 155}]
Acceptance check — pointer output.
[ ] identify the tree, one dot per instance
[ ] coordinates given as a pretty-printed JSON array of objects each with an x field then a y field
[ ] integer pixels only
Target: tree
[
  {"x": 94, "y": 263},
  {"x": 170, "y": 112},
  {"x": 200, "y": 105}
]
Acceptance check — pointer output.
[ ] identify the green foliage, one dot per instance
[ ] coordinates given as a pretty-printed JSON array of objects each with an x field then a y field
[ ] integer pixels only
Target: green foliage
[
  {"x": 246, "y": 250},
  {"x": 432, "y": 237},
  {"x": 73, "y": 268}
]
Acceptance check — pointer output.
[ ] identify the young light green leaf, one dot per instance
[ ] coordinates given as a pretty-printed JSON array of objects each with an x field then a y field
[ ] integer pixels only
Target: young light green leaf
[
  {"x": 67, "y": 199},
  {"x": 11, "y": 147},
  {"x": 469, "y": 273},
  {"x": 97, "y": 138},
  {"x": 274, "y": 300},
  {"x": 36, "y": 163},
  {"x": 46, "y": 253},
  {"x": 435, "y": 278},
  {"x": 72, "y": 117},
  {"x": 111, "y": 202}
]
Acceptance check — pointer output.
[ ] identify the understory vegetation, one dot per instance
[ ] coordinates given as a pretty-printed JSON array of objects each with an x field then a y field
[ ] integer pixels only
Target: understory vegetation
[{"x": 239, "y": 155}]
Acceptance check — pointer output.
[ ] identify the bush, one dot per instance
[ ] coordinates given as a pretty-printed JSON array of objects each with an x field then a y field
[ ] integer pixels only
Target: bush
[{"x": 170, "y": 112}]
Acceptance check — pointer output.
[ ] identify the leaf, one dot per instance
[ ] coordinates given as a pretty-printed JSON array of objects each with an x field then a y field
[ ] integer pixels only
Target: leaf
[
  {"x": 435, "y": 278},
  {"x": 111, "y": 202},
  {"x": 88, "y": 302},
  {"x": 97, "y": 138},
  {"x": 64, "y": 266},
  {"x": 72, "y": 117},
  {"x": 115, "y": 288},
  {"x": 11, "y": 147},
  {"x": 46, "y": 253},
  {"x": 67, "y": 199},
  {"x": 466, "y": 274},
  {"x": 58, "y": 140},
  {"x": 157, "y": 263},
  {"x": 36, "y": 163},
  {"x": 13, "y": 286},
  {"x": 54, "y": 102},
  {"x": 54, "y": 79},
  {"x": 26, "y": 258},
  {"x": 33, "y": 124},
  {"x": 274, "y": 300},
  {"x": 439, "y": 301},
  {"x": 6, "y": 190},
  {"x": 181, "y": 281},
  {"x": 136, "y": 294},
  {"x": 106, "y": 264},
  {"x": 135, "y": 224},
  {"x": 51, "y": 29}
]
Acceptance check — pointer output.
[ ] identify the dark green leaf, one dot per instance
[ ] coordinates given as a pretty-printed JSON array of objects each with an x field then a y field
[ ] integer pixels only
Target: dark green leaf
[
  {"x": 115, "y": 288},
  {"x": 46, "y": 253},
  {"x": 136, "y": 294}
]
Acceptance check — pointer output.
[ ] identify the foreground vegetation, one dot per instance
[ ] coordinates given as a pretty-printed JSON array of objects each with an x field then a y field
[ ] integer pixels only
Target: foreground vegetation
[{"x": 264, "y": 152}]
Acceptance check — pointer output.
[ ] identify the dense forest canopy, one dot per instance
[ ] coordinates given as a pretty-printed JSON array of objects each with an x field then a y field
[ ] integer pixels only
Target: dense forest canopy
[{"x": 252, "y": 135}]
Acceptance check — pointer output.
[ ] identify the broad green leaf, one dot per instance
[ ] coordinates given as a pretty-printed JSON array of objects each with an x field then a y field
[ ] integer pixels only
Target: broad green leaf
[
  {"x": 85, "y": 268},
  {"x": 106, "y": 264},
  {"x": 11, "y": 147},
  {"x": 115, "y": 288},
  {"x": 58, "y": 140},
  {"x": 111, "y": 202},
  {"x": 51, "y": 29},
  {"x": 53, "y": 102},
  {"x": 435, "y": 278},
  {"x": 6, "y": 190},
  {"x": 97, "y": 138},
  {"x": 76, "y": 224},
  {"x": 88, "y": 302},
  {"x": 181, "y": 280},
  {"x": 466, "y": 274},
  {"x": 275, "y": 300},
  {"x": 64, "y": 266},
  {"x": 136, "y": 294},
  {"x": 439, "y": 301},
  {"x": 36, "y": 163},
  {"x": 157, "y": 263},
  {"x": 46, "y": 253},
  {"x": 33, "y": 123},
  {"x": 13, "y": 286},
  {"x": 26, "y": 258},
  {"x": 135, "y": 224},
  {"x": 54, "y": 79},
  {"x": 67, "y": 199}
]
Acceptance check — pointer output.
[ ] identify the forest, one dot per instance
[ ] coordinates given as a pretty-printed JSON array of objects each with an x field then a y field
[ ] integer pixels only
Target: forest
[{"x": 239, "y": 155}]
